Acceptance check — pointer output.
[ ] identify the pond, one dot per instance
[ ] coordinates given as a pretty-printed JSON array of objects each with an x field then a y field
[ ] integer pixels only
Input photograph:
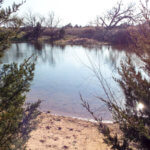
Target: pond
[{"x": 62, "y": 73}]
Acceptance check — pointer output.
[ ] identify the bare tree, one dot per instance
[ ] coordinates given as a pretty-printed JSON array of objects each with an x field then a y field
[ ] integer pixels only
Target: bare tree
[
  {"x": 52, "y": 21},
  {"x": 117, "y": 15},
  {"x": 145, "y": 11},
  {"x": 30, "y": 19},
  {"x": 41, "y": 20}
]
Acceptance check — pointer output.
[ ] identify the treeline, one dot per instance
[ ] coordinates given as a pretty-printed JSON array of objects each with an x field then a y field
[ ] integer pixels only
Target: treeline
[
  {"x": 46, "y": 34},
  {"x": 118, "y": 35},
  {"x": 114, "y": 27},
  {"x": 35, "y": 27}
]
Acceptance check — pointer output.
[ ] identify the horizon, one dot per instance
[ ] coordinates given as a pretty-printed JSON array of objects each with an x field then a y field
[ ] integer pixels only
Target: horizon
[{"x": 66, "y": 10}]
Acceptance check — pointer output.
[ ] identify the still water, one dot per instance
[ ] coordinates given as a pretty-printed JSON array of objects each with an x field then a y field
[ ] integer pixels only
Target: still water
[{"x": 62, "y": 73}]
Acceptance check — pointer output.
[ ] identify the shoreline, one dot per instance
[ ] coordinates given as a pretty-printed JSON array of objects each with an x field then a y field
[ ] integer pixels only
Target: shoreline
[
  {"x": 55, "y": 132},
  {"x": 73, "y": 41},
  {"x": 81, "y": 118}
]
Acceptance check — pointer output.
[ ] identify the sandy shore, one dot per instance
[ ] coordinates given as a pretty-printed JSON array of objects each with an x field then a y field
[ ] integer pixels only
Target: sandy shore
[{"x": 58, "y": 133}]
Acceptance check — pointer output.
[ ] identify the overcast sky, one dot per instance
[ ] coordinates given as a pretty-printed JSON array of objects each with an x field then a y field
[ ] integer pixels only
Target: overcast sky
[{"x": 79, "y": 12}]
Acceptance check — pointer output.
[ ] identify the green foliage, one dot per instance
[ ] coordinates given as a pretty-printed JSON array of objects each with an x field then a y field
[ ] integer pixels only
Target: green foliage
[
  {"x": 9, "y": 24},
  {"x": 113, "y": 140},
  {"x": 17, "y": 120},
  {"x": 133, "y": 121},
  {"x": 15, "y": 117}
]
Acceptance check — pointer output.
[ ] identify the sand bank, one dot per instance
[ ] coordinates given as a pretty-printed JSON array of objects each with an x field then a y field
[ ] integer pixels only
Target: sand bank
[{"x": 59, "y": 132}]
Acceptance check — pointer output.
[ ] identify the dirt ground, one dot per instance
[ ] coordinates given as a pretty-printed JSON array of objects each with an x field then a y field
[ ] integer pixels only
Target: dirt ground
[{"x": 65, "y": 133}]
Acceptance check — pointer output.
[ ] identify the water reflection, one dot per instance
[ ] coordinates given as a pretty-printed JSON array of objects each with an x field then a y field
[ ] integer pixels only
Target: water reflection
[{"x": 61, "y": 73}]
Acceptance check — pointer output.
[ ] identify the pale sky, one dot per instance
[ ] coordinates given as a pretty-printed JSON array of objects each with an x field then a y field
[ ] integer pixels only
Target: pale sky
[{"x": 79, "y": 12}]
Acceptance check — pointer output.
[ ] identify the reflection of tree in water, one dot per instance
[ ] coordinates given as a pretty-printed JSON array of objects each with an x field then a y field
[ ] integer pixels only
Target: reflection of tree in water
[
  {"x": 113, "y": 57},
  {"x": 38, "y": 46},
  {"x": 118, "y": 54},
  {"x": 18, "y": 54},
  {"x": 52, "y": 54},
  {"x": 109, "y": 55},
  {"x": 47, "y": 52}
]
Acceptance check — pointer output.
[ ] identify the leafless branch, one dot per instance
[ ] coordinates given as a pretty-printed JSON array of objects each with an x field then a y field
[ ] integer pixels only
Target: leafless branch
[
  {"x": 145, "y": 11},
  {"x": 52, "y": 21},
  {"x": 30, "y": 19},
  {"x": 117, "y": 15}
]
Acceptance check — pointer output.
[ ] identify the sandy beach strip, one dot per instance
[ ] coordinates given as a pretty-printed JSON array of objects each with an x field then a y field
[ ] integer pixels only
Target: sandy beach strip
[{"x": 65, "y": 133}]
